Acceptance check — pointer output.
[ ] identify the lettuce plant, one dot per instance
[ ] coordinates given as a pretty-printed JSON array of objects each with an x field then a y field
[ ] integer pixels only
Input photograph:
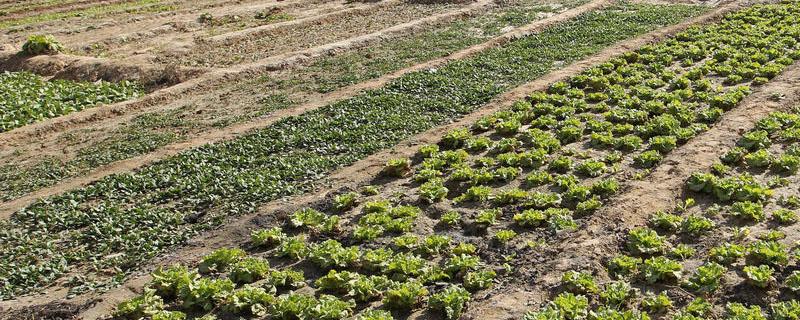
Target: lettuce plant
[{"x": 451, "y": 302}]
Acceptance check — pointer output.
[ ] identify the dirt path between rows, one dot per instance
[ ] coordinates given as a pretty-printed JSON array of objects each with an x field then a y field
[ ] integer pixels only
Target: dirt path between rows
[
  {"x": 588, "y": 248},
  {"x": 236, "y": 229},
  {"x": 213, "y": 136}
]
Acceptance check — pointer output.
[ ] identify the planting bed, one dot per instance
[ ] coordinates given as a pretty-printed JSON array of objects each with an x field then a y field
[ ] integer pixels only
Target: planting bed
[
  {"x": 262, "y": 97},
  {"x": 462, "y": 211},
  {"x": 96, "y": 235},
  {"x": 26, "y": 98},
  {"x": 404, "y": 160}
]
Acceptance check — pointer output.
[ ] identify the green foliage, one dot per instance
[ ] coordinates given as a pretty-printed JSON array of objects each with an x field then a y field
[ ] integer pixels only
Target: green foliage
[
  {"x": 250, "y": 300},
  {"x": 433, "y": 190},
  {"x": 645, "y": 241},
  {"x": 622, "y": 266},
  {"x": 656, "y": 303},
  {"x": 479, "y": 280},
  {"x": 737, "y": 311},
  {"x": 169, "y": 282},
  {"x": 661, "y": 269},
  {"x": 235, "y": 177},
  {"x": 504, "y": 236},
  {"x": 404, "y": 296},
  {"x": 249, "y": 270},
  {"x": 26, "y": 98},
  {"x": 41, "y": 44},
  {"x": 345, "y": 201},
  {"x": 760, "y": 276},
  {"x": 267, "y": 237},
  {"x": 727, "y": 253},
  {"x": 707, "y": 277},
  {"x": 220, "y": 259},
  {"x": 617, "y": 293},
  {"x": 204, "y": 294},
  {"x": 141, "y": 306},
  {"x": 579, "y": 282},
  {"x": 451, "y": 218},
  {"x": 769, "y": 252},
  {"x": 451, "y": 301},
  {"x": 330, "y": 253},
  {"x": 397, "y": 167}
]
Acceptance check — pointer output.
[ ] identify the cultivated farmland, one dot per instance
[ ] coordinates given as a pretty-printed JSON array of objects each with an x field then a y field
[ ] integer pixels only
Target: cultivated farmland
[{"x": 304, "y": 159}]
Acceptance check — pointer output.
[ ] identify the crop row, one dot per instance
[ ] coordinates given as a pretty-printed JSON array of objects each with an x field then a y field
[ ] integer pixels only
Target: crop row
[
  {"x": 112, "y": 226},
  {"x": 135, "y": 7},
  {"x": 730, "y": 243},
  {"x": 285, "y": 90},
  {"x": 26, "y": 98},
  {"x": 446, "y": 223}
]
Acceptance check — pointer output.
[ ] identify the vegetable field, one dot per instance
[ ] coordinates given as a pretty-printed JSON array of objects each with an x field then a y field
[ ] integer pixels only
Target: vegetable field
[
  {"x": 501, "y": 174},
  {"x": 27, "y": 98}
]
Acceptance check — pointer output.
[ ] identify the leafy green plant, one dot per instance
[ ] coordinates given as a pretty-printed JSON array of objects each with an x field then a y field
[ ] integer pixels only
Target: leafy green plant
[
  {"x": 727, "y": 253},
  {"x": 205, "y": 294},
  {"x": 707, "y": 278},
  {"x": 784, "y": 216},
  {"x": 617, "y": 293},
  {"x": 661, "y": 269},
  {"x": 345, "y": 201},
  {"x": 375, "y": 315},
  {"x": 397, "y": 167},
  {"x": 785, "y": 310},
  {"x": 486, "y": 218},
  {"x": 168, "y": 282},
  {"x": 737, "y": 311},
  {"x": 250, "y": 300},
  {"x": 404, "y": 296},
  {"x": 451, "y": 301},
  {"x": 579, "y": 282},
  {"x": 478, "y": 280},
  {"x": 504, "y": 236},
  {"x": 769, "y": 252},
  {"x": 656, "y": 303},
  {"x": 249, "y": 270},
  {"x": 293, "y": 247},
  {"x": 267, "y": 237},
  {"x": 748, "y": 210},
  {"x": 760, "y": 276},
  {"x": 451, "y": 218},
  {"x": 645, "y": 241},
  {"x": 146, "y": 304},
  {"x": 330, "y": 253},
  {"x": 622, "y": 266},
  {"x": 220, "y": 259},
  {"x": 41, "y": 44},
  {"x": 433, "y": 190},
  {"x": 696, "y": 225},
  {"x": 572, "y": 306}
]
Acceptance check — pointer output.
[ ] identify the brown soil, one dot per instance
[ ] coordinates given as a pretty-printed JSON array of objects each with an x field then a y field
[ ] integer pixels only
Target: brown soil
[
  {"x": 78, "y": 68},
  {"x": 501, "y": 300}
]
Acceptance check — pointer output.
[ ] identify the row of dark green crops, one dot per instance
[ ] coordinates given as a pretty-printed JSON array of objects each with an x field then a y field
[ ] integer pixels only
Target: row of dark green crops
[
  {"x": 26, "y": 98},
  {"x": 106, "y": 230},
  {"x": 728, "y": 250},
  {"x": 451, "y": 222}
]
